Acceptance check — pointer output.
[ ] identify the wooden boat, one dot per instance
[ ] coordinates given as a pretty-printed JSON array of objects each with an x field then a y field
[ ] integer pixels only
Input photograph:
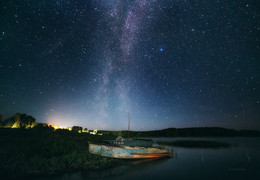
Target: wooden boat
[{"x": 127, "y": 152}]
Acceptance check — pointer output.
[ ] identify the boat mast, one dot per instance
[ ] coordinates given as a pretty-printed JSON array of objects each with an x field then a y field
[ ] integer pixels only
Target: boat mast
[{"x": 129, "y": 122}]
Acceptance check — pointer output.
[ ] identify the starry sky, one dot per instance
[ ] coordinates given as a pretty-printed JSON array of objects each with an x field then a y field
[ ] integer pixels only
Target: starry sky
[{"x": 168, "y": 63}]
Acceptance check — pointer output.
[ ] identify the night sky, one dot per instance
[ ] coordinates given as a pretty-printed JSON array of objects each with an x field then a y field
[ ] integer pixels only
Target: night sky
[{"x": 169, "y": 63}]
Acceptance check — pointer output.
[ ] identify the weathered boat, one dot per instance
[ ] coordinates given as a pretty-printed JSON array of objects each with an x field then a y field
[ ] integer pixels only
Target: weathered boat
[{"x": 127, "y": 152}]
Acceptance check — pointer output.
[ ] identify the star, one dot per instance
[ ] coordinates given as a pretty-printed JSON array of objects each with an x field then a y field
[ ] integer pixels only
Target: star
[{"x": 161, "y": 49}]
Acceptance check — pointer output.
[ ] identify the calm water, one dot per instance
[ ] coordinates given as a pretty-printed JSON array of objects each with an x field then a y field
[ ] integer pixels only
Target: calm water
[{"x": 241, "y": 161}]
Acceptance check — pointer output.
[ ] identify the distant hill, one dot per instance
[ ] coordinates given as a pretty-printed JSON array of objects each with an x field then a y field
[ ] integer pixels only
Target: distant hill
[{"x": 186, "y": 132}]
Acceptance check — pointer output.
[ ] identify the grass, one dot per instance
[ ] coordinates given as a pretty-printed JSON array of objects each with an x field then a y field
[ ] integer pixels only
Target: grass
[
  {"x": 196, "y": 144},
  {"x": 43, "y": 152}
]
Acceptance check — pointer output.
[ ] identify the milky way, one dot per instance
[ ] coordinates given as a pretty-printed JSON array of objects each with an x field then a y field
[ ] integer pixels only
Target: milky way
[
  {"x": 124, "y": 21},
  {"x": 167, "y": 63}
]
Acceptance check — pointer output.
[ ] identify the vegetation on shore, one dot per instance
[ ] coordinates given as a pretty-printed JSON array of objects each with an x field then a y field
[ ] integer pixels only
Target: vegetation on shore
[{"x": 40, "y": 151}]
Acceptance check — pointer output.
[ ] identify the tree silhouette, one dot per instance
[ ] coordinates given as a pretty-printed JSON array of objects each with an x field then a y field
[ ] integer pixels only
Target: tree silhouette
[
  {"x": 20, "y": 120},
  {"x": 77, "y": 129}
]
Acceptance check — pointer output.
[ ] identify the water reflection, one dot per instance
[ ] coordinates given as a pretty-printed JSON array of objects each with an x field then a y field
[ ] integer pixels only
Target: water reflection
[{"x": 132, "y": 167}]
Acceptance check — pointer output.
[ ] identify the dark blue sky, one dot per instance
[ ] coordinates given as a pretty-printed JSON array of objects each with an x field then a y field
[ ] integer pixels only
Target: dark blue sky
[{"x": 179, "y": 63}]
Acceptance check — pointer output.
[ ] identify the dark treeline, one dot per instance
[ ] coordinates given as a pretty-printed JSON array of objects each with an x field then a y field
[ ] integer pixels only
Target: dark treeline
[
  {"x": 186, "y": 132},
  {"x": 18, "y": 120},
  {"x": 196, "y": 144}
]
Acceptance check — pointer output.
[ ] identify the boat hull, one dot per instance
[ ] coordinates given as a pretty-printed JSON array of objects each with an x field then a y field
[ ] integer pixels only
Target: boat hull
[{"x": 126, "y": 152}]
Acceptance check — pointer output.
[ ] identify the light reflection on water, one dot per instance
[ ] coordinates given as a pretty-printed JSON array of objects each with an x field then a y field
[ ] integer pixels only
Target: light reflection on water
[
  {"x": 240, "y": 161},
  {"x": 122, "y": 171}
]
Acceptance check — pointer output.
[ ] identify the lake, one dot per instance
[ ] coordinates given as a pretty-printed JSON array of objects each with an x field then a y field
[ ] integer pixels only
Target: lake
[{"x": 240, "y": 161}]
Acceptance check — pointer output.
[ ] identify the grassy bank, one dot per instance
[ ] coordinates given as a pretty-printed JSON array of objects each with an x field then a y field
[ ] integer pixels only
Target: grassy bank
[{"x": 43, "y": 151}]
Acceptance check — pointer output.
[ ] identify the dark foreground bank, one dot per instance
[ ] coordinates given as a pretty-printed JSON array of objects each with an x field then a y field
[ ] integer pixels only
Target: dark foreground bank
[{"x": 32, "y": 152}]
